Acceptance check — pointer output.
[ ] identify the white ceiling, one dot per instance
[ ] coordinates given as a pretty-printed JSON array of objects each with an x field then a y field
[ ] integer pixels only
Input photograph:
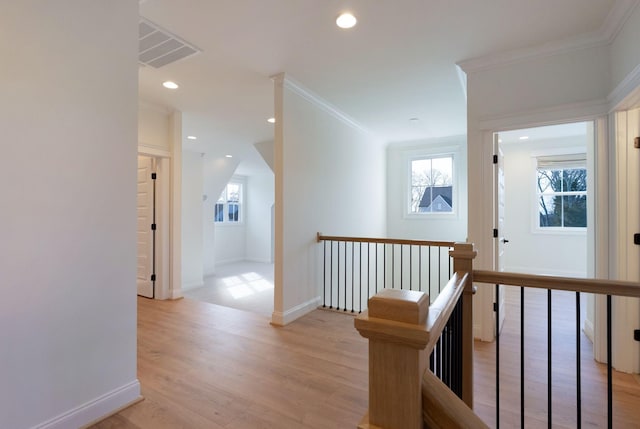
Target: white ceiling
[{"x": 398, "y": 63}]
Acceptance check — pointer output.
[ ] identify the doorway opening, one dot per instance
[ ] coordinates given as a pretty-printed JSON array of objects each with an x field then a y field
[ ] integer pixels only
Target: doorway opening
[{"x": 544, "y": 206}]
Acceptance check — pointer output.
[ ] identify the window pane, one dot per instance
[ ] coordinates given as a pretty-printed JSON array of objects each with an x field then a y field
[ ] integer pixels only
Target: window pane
[
  {"x": 550, "y": 211},
  {"x": 575, "y": 211},
  {"x": 219, "y": 213},
  {"x": 233, "y": 192},
  {"x": 234, "y": 209},
  {"x": 432, "y": 185},
  {"x": 574, "y": 180},
  {"x": 549, "y": 181}
]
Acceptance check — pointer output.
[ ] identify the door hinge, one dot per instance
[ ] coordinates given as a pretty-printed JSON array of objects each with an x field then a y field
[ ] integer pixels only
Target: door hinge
[
  {"x": 636, "y": 239},
  {"x": 495, "y": 306},
  {"x": 636, "y": 335},
  {"x": 154, "y": 176},
  {"x": 153, "y": 277},
  {"x": 495, "y": 233},
  {"x": 495, "y": 159},
  {"x": 153, "y": 227},
  {"x": 636, "y": 142}
]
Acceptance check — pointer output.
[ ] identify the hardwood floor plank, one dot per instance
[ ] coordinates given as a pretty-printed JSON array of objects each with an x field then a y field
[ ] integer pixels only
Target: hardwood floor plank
[{"x": 205, "y": 366}]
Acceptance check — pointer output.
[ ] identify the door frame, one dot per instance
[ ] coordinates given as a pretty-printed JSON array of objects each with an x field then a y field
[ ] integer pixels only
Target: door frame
[
  {"x": 598, "y": 250},
  {"x": 163, "y": 219}
]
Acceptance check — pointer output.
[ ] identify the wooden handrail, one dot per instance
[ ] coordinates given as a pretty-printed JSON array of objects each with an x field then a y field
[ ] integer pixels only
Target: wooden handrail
[
  {"x": 605, "y": 287},
  {"x": 442, "y": 307},
  {"x": 441, "y": 408},
  {"x": 321, "y": 237}
]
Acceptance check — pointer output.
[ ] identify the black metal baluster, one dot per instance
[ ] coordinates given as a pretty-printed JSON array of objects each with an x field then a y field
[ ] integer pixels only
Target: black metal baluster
[
  {"x": 609, "y": 366},
  {"x": 410, "y": 267},
  {"x": 393, "y": 266},
  {"x": 353, "y": 280},
  {"x": 401, "y": 264},
  {"x": 368, "y": 268},
  {"x": 360, "y": 288},
  {"x": 376, "y": 277},
  {"x": 439, "y": 270},
  {"x": 338, "y": 280},
  {"x": 345, "y": 275},
  {"x": 429, "y": 274},
  {"x": 522, "y": 357},
  {"x": 420, "y": 268},
  {"x": 578, "y": 365},
  {"x": 331, "y": 280},
  {"x": 324, "y": 274},
  {"x": 549, "y": 378},
  {"x": 384, "y": 266},
  {"x": 497, "y": 311}
]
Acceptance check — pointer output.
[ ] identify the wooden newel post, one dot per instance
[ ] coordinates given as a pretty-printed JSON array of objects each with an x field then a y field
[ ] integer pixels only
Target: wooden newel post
[
  {"x": 463, "y": 255},
  {"x": 395, "y": 325}
]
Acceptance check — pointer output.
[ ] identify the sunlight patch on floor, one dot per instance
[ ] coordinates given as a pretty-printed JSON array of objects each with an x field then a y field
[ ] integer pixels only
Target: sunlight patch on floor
[{"x": 247, "y": 284}]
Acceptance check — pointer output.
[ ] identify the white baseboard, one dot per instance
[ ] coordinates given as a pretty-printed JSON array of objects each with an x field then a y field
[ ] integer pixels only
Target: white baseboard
[
  {"x": 192, "y": 285},
  {"x": 96, "y": 409},
  {"x": 283, "y": 318},
  {"x": 588, "y": 329},
  {"x": 229, "y": 261},
  {"x": 175, "y": 294}
]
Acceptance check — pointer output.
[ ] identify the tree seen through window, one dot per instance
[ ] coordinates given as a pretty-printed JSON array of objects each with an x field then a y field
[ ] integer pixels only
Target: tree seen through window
[{"x": 562, "y": 196}]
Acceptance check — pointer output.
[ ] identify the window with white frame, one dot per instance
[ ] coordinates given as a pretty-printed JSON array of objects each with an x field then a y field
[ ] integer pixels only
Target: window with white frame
[
  {"x": 561, "y": 185},
  {"x": 228, "y": 208},
  {"x": 431, "y": 187}
]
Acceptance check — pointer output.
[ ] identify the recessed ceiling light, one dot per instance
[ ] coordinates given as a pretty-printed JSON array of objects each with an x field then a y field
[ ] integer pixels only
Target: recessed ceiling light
[
  {"x": 271, "y": 120},
  {"x": 170, "y": 85},
  {"x": 346, "y": 20},
  {"x": 524, "y": 138},
  {"x": 229, "y": 156},
  {"x": 192, "y": 137}
]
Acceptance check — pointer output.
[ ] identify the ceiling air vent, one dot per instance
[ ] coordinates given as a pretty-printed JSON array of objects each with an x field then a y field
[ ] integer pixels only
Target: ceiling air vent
[{"x": 157, "y": 47}]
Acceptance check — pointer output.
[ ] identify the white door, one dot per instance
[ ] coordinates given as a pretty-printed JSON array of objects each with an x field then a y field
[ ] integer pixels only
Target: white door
[
  {"x": 500, "y": 240},
  {"x": 144, "y": 233}
]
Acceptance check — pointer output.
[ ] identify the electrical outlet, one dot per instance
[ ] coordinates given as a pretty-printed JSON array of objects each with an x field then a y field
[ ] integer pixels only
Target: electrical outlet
[{"x": 636, "y": 335}]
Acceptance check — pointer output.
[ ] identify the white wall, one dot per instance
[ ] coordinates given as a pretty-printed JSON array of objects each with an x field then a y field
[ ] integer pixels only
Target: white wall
[
  {"x": 625, "y": 51},
  {"x": 259, "y": 197},
  {"x": 217, "y": 172},
  {"x": 439, "y": 227},
  {"x": 231, "y": 239},
  {"x": 330, "y": 177},
  {"x": 192, "y": 223},
  {"x": 68, "y": 224},
  {"x": 530, "y": 250},
  {"x": 153, "y": 127}
]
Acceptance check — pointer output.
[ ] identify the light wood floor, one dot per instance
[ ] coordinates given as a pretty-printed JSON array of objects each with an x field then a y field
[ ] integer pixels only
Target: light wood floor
[
  {"x": 207, "y": 366},
  {"x": 626, "y": 387}
]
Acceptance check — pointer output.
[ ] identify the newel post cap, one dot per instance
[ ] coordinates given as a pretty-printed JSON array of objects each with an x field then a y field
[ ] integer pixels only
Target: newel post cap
[
  {"x": 406, "y": 306},
  {"x": 463, "y": 251}
]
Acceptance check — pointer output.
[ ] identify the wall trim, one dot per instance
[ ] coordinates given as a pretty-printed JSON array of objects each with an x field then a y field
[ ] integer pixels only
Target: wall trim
[
  {"x": 313, "y": 98},
  {"x": 283, "y": 318},
  {"x": 627, "y": 94},
  {"x": 96, "y": 409},
  {"x": 588, "y": 329},
  {"x": 570, "y": 112},
  {"x": 604, "y": 36},
  {"x": 149, "y": 150}
]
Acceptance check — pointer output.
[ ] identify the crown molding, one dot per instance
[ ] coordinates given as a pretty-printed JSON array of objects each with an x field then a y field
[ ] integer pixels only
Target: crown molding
[
  {"x": 604, "y": 36},
  {"x": 291, "y": 84},
  {"x": 627, "y": 94},
  {"x": 617, "y": 17}
]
